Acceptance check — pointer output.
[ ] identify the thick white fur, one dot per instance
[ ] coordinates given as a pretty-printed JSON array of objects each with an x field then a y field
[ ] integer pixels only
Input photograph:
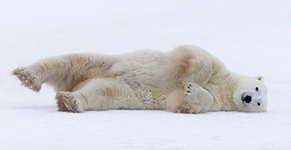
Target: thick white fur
[{"x": 187, "y": 79}]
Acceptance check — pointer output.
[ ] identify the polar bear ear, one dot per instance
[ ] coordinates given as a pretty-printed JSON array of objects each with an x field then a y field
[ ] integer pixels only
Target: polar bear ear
[{"x": 260, "y": 78}]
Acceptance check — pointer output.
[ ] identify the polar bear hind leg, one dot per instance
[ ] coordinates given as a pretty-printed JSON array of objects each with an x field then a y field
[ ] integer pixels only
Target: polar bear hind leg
[
  {"x": 98, "y": 94},
  {"x": 62, "y": 72}
]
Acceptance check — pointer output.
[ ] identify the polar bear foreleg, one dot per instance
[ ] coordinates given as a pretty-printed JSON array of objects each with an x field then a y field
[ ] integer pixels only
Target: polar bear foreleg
[{"x": 191, "y": 99}]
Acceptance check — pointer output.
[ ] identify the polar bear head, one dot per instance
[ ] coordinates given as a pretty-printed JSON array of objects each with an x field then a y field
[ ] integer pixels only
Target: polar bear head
[{"x": 251, "y": 94}]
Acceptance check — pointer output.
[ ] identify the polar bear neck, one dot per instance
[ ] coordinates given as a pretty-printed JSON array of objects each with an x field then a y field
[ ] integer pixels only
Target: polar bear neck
[
  {"x": 222, "y": 93},
  {"x": 222, "y": 85}
]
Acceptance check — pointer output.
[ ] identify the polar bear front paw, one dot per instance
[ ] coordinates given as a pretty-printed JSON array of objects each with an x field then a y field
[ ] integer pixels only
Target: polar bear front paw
[
  {"x": 27, "y": 79},
  {"x": 192, "y": 88},
  {"x": 67, "y": 102}
]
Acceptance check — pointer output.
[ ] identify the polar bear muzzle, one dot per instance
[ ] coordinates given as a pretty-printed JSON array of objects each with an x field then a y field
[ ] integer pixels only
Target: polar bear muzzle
[{"x": 246, "y": 99}]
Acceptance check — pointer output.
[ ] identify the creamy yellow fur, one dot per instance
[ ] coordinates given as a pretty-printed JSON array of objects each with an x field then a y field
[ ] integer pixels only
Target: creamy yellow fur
[{"x": 187, "y": 79}]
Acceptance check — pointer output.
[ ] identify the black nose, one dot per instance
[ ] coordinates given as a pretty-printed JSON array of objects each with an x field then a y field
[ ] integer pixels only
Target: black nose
[{"x": 247, "y": 99}]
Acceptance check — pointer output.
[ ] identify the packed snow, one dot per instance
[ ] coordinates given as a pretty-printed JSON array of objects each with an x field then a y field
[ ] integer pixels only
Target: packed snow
[{"x": 250, "y": 37}]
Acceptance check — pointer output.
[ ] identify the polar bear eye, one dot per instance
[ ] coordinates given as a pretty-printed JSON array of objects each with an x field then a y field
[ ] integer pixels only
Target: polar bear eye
[{"x": 257, "y": 89}]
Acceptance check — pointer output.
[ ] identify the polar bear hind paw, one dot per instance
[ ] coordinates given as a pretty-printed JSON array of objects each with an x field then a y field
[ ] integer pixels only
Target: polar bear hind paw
[
  {"x": 27, "y": 79},
  {"x": 67, "y": 102}
]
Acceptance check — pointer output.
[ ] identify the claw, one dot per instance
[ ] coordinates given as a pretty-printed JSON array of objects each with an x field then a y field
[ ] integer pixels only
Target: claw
[
  {"x": 190, "y": 85},
  {"x": 68, "y": 107}
]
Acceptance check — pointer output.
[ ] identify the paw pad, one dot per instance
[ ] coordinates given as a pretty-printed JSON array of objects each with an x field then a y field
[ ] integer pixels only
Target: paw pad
[
  {"x": 65, "y": 99},
  {"x": 26, "y": 78}
]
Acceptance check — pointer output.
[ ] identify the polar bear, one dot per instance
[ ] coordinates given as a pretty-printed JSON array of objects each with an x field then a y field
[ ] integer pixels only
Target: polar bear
[{"x": 187, "y": 79}]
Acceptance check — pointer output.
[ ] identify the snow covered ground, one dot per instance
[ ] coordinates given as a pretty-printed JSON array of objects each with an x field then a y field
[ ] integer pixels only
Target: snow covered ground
[{"x": 250, "y": 37}]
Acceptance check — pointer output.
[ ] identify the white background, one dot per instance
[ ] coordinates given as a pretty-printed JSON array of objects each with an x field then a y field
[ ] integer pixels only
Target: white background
[{"x": 251, "y": 37}]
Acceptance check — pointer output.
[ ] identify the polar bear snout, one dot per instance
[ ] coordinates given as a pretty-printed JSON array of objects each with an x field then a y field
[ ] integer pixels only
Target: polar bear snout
[{"x": 246, "y": 99}]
